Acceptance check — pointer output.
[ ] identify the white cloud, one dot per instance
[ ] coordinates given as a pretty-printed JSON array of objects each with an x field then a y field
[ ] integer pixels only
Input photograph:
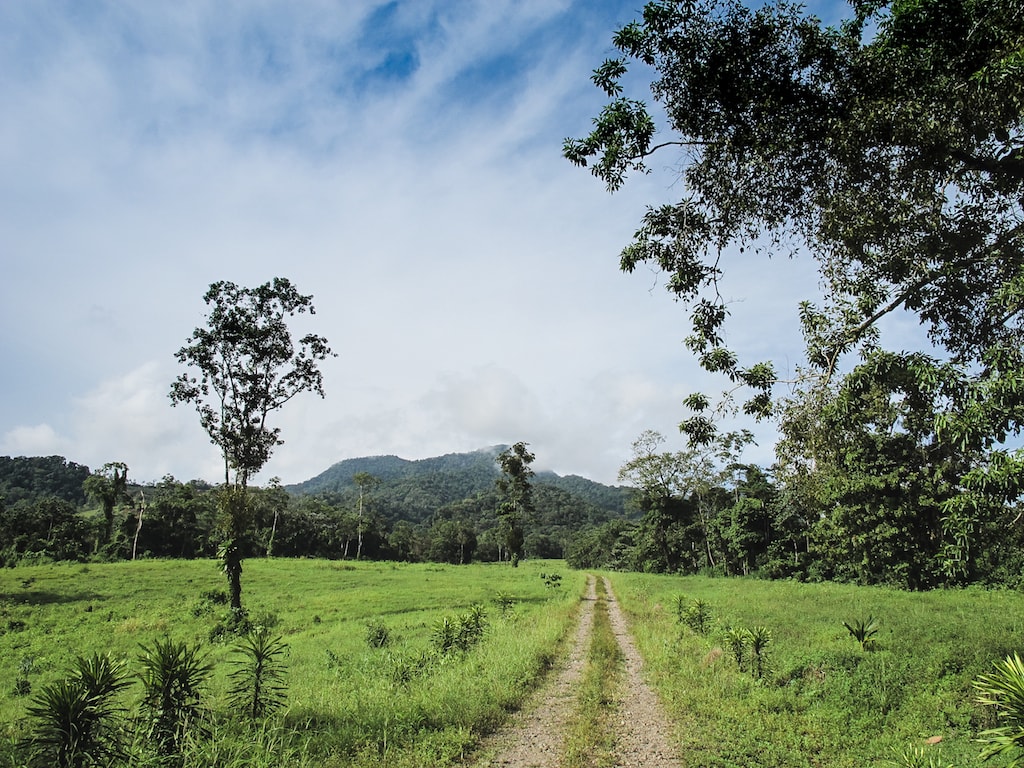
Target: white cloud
[
  {"x": 37, "y": 440},
  {"x": 464, "y": 272}
]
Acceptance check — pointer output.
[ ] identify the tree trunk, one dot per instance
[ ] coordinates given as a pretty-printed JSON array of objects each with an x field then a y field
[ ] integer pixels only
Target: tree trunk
[
  {"x": 273, "y": 532},
  {"x": 233, "y": 570},
  {"x": 138, "y": 527}
]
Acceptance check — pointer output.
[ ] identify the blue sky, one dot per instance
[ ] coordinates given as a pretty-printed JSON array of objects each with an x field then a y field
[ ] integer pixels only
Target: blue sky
[{"x": 399, "y": 161}]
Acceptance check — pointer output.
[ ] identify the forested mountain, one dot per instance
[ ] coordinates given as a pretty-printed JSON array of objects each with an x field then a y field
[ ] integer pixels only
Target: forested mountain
[
  {"x": 40, "y": 477},
  {"x": 463, "y": 474},
  {"x": 415, "y": 489}
]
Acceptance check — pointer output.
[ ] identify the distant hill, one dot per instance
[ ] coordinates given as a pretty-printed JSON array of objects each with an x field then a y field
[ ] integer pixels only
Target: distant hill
[
  {"x": 37, "y": 477},
  {"x": 475, "y": 471},
  {"x": 414, "y": 489}
]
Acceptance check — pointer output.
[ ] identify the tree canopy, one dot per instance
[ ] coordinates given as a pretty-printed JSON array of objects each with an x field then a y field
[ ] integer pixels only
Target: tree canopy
[
  {"x": 890, "y": 149},
  {"x": 248, "y": 366}
]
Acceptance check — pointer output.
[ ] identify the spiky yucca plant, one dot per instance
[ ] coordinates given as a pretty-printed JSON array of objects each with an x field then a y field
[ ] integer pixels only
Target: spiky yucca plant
[
  {"x": 74, "y": 721},
  {"x": 1004, "y": 690},
  {"x": 759, "y": 638},
  {"x": 863, "y": 631},
  {"x": 173, "y": 675},
  {"x": 737, "y": 638},
  {"x": 257, "y": 683}
]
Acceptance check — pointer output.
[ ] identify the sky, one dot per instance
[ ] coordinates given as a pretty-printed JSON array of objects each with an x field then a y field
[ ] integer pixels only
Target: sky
[{"x": 401, "y": 162}]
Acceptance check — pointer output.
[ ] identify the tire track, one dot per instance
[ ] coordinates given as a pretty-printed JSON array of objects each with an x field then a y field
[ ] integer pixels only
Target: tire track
[
  {"x": 642, "y": 732},
  {"x": 535, "y": 736}
]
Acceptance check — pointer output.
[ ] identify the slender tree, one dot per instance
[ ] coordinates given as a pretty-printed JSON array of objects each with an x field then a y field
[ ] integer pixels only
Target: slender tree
[
  {"x": 365, "y": 482},
  {"x": 242, "y": 366},
  {"x": 109, "y": 486},
  {"x": 517, "y": 497}
]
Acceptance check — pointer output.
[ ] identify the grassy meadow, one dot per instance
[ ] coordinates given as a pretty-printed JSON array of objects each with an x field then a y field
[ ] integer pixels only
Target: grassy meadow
[
  {"x": 822, "y": 699},
  {"x": 811, "y": 696},
  {"x": 349, "y": 703}
]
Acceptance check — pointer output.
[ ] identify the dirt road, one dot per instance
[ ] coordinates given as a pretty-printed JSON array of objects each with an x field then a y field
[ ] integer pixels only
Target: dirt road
[{"x": 534, "y": 738}]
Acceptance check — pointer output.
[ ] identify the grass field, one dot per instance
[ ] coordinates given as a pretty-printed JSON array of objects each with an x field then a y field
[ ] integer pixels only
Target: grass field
[
  {"x": 348, "y": 703},
  {"x": 820, "y": 700}
]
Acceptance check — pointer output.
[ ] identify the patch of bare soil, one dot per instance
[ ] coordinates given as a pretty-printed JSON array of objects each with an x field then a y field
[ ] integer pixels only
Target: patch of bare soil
[
  {"x": 534, "y": 737},
  {"x": 642, "y": 730}
]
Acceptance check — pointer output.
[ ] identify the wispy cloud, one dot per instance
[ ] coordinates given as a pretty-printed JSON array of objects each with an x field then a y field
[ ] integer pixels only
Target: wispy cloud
[{"x": 399, "y": 161}]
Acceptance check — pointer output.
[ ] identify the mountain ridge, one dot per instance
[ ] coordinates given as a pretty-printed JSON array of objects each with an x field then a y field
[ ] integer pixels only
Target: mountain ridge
[{"x": 450, "y": 477}]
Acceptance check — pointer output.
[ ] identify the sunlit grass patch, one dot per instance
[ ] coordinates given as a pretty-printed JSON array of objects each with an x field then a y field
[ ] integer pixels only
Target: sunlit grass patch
[
  {"x": 824, "y": 698},
  {"x": 346, "y": 701}
]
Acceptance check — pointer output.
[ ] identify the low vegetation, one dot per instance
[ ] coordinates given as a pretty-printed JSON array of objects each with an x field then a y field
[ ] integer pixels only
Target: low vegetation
[
  {"x": 778, "y": 678},
  {"x": 341, "y": 666}
]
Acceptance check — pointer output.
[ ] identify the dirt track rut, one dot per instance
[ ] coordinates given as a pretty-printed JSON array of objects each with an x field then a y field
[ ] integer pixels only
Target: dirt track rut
[{"x": 534, "y": 738}]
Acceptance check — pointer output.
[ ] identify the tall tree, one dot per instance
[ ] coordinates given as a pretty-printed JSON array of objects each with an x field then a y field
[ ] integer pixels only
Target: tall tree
[
  {"x": 109, "y": 486},
  {"x": 242, "y": 366},
  {"x": 891, "y": 149},
  {"x": 516, "y": 491},
  {"x": 365, "y": 482}
]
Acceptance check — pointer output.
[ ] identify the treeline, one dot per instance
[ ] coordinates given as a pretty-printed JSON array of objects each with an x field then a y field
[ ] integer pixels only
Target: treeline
[
  {"x": 53, "y": 519},
  {"x": 882, "y": 526}
]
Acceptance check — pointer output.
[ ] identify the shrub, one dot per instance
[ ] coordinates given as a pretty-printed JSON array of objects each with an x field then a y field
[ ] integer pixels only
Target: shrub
[
  {"x": 460, "y": 633},
  {"x": 74, "y": 720},
  {"x": 257, "y": 684},
  {"x": 863, "y": 631},
  {"x": 1004, "y": 691},
  {"x": 173, "y": 675},
  {"x": 505, "y": 602},
  {"x": 377, "y": 634},
  {"x": 760, "y": 638},
  {"x": 698, "y": 616},
  {"x": 736, "y": 639}
]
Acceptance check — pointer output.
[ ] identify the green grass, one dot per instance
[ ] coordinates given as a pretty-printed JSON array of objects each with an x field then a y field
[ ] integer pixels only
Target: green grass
[
  {"x": 823, "y": 700},
  {"x": 348, "y": 703}
]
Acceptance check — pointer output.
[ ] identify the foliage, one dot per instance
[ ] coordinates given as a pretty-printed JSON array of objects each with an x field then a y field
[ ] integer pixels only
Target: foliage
[
  {"x": 48, "y": 529},
  {"x": 257, "y": 683},
  {"x": 737, "y": 639},
  {"x": 916, "y": 757},
  {"x": 759, "y": 638},
  {"x": 404, "y": 704},
  {"x": 863, "y": 631},
  {"x": 109, "y": 486},
  {"x": 460, "y": 633},
  {"x": 1003, "y": 690},
  {"x": 516, "y": 492},
  {"x": 248, "y": 367},
  {"x": 697, "y": 616},
  {"x": 889, "y": 149},
  {"x": 74, "y": 721},
  {"x": 173, "y": 675},
  {"x": 377, "y": 634},
  {"x": 552, "y": 580},
  {"x": 33, "y": 478},
  {"x": 819, "y": 700}
]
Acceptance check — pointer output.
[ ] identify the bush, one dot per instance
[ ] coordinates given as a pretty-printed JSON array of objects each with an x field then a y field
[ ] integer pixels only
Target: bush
[
  {"x": 74, "y": 721},
  {"x": 172, "y": 678},
  {"x": 257, "y": 684}
]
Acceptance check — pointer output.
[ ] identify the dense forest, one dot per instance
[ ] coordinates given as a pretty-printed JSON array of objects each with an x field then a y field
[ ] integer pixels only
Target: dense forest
[
  {"x": 679, "y": 514},
  {"x": 443, "y": 509}
]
